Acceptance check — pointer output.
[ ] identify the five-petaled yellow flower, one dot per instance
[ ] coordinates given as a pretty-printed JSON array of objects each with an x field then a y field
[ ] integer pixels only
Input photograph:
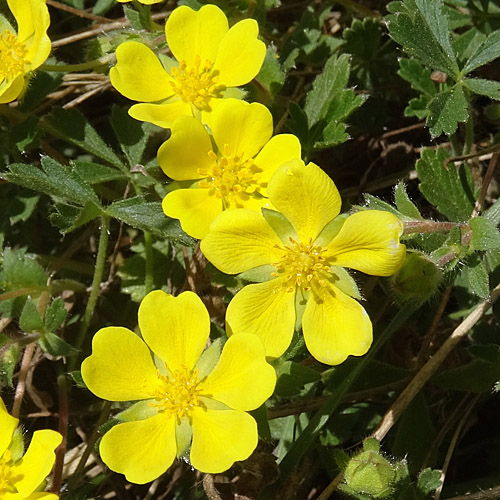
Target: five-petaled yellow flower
[
  {"x": 211, "y": 59},
  {"x": 21, "y": 477},
  {"x": 185, "y": 398},
  {"x": 301, "y": 250},
  {"x": 24, "y": 50},
  {"x": 234, "y": 174}
]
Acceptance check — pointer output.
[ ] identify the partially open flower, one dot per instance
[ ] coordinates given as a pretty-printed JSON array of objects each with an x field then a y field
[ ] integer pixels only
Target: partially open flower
[
  {"x": 22, "y": 476},
  {"x": 211, "y": 59},
  {"x": 25, "y": 49},
  {"x": 191, "y": 399}
]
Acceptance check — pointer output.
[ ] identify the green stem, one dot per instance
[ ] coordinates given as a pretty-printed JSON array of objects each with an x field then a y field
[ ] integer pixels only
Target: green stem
[
  {"x": 469, "y": 132},
  {"x": 96, "y": 286},
  {"x": 430, "y": 226},
  {"x": 148, "y": 243},
  {"x": 68, "y": 68}
]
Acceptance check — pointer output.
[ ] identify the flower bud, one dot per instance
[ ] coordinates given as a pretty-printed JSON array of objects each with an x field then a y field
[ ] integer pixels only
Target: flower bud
[
  {"x": 417, "y": 279},
  {"x": 369, "y": 472}
]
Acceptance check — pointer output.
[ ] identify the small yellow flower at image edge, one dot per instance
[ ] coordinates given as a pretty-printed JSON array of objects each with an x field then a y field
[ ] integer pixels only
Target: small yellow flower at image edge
[
  {"x": 212, "y": 60},
  {"x": 22, "y": 50},
  {"x": 22, "y": 476},
  {"x": 234, "y": 174},
  {"x": 190, "y": 399},
  {"x": 298, "y": 252}
]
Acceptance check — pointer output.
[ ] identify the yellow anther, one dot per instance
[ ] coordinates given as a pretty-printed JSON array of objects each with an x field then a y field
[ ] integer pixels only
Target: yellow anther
[
  {"x": 302, "y": 265},
  {"x": 179, "y": 393},
  {"x": 12, "y": 56},
  {"x": 196, "y": 84}
]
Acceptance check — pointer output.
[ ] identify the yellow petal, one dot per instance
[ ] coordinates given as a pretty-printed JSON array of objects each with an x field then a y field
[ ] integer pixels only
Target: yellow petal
[
  {"x": 266, "y": 309},
  {"x": 240, "y": 55},
  {"x": 369, "y": 242},
  {"x": 11, "y": 90},
  {"x": 241, "y": 379},
  {"x": 240, "y": 240},
  {"x": 139, "y": 74},
  {"x": 176, "y": 328},
  {"x": 306, "y": 196},
  {"x": 220, "y": 438},
  {"x": 279, "y": 150},
  {"x": 8, "y": 425},
  {"x": 33, "y": 21},
  {"x": 37, "y": 462},
  {"x": 335, "y": 326},
  {"x": 196, "y": 33},
  {"x": 186, "y": 150},
  {"x": 141, "y": 450},
  {"x": 120, "y": 367},
  {"x": 195, "y": 208},
  {"x": 162, "y": 115},
  {"x": 244, "y": 127}
]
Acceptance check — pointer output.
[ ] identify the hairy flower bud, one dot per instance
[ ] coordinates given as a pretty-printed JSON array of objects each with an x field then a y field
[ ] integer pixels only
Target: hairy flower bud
[{"x": 417, "y": 279}]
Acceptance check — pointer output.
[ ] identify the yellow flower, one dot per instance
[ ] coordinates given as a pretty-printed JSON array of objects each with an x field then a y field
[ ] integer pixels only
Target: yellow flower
[
  {"x": 301, "y": 251},
  {"x": 186, "y": 397},
  {"x": 25, "y": 50},
  {"x": 235, "y": 175},
  {"x": 22, "y": 476},
  {"x": 211, "y": 59}
]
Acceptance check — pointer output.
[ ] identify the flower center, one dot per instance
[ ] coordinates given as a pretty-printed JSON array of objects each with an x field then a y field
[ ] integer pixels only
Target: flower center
[
  {"x": 179, "y": 393},
  {"x": 230, "y": 178},
  {"x": 6, "y": 476},
  {"x": 303, "y": 265},
  {"x": 197, "y": 84},
  {"x": 12, "y": 56}
]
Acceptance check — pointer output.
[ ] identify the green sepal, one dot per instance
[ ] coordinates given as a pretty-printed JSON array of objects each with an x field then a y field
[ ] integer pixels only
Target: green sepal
[
  {"x": 330, "y": 230},
  {"x": 280, "y": 225},
  {"x": 342, "y": 280},
  {"x": 183, "y": 435},
  {"x": 16, "y": 446},
  {"x": 138, "y": 411},
  {"x": 209, "y": 358},
  {"x": 258, "y": 274}
]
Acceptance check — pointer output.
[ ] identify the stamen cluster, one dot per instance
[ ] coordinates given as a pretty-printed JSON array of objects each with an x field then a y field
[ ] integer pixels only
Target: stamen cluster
[
  {"x": 179, "y": 393},
  {"x": 229, "y": 176},
  {"x": 302, "y": 265},
  {"x": 12, "y": 55},
  {"x": 6, "y": 478},
  {"x": 197, "y": 84}
]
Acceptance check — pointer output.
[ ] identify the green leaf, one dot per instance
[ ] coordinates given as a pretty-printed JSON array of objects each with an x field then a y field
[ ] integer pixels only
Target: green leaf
[
  {"x": 417, "y": 76},
  {"x": 55, "y": 314},
  {"x": 67, "y": 218},
  {"x": 30, "y": 320},
  {"x": 403, "y": 202},
  {"x": 53, "y": 179},
  {"x": 446, "y": 110},
  {"x": 362, "y": 39},
  {"x": 477, "y": 277},
  {"x": 26, "y": 134},
  {"x": 20, "y": 270},
  {"x": 55, "y": 345},
  {"x": 485, "y": 235},
  {"x": 488, "y": 51},
  {"x": 94, "y": 173},
  {"x": 421, "y": 27},
  {"x": 139, "y": 17},
  {"x": 72, "y": 126},
  {"x": 271, "y": 76},
  {"x": 297, "y": 124},
  {"x": 292, "y": 377},
  {"x": 480, "y": 86},
  {"x": 447, "y": 187},
  {"x": 325, "y": 87},
  {"x": 22, "y": 206},
  {"x": 132, "y": 134},
  {"x": 493, "y": 213},
  {"x": 148, "y": 216},
  {"x": 41, "y": 85},
  {"x": 428, "y": 480},
  {"x": 418, "y": 107}
]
